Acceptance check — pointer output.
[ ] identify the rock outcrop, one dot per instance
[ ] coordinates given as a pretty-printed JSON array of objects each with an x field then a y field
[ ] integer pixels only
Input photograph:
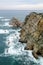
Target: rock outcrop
[
  {"x": 32, "y": 33},
  {"x": 15, "y": 22}
]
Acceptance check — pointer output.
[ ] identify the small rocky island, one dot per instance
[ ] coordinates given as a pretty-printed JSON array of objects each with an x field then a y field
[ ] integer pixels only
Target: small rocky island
[
  {"x": 31, "y": 32},
  {"x": 15, "y": 22}
]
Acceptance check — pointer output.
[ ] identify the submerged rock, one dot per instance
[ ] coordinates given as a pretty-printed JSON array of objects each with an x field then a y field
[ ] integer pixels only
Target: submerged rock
[
  {"x": 15, "y": 22},
  {"x": 32, "y": 33}
]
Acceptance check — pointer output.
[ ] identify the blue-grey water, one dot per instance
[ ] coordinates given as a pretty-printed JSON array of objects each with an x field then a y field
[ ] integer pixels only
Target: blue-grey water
[{"x": 11, "y": 50}]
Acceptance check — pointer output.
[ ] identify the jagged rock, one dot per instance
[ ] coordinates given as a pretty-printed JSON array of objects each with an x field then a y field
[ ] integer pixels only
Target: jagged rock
[
  {"x": 40, "y": 50},
  {"x": 29, "y": 46},
  {"x": 15, "y": 22},
  {"x": 32, "y": 32},
  {"x": 35, "y": 54}
]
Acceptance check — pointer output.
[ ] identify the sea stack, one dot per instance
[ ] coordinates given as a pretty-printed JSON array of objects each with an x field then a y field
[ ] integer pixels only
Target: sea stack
[{"x": 15, "y": 22}]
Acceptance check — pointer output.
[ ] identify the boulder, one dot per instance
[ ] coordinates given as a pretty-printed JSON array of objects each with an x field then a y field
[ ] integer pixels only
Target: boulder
[
  {"x": 29, "y": 46},
  {"x": 32, "y": 33}
]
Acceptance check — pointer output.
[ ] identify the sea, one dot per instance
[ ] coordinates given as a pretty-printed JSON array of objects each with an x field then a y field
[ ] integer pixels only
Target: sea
[{"x": 11, "y": 50}]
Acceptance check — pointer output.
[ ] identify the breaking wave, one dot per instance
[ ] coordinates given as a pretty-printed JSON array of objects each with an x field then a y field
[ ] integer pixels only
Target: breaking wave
[{"x": 2, "y": 31}]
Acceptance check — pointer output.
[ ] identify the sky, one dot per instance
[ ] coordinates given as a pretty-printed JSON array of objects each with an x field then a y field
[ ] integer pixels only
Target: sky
[{"x": 21, "y": 4}]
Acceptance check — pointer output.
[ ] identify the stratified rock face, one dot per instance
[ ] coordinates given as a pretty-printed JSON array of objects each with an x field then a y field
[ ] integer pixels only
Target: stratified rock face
[
  {"x": 32, "y": 32},
  {"x": 14, "y": 22}
]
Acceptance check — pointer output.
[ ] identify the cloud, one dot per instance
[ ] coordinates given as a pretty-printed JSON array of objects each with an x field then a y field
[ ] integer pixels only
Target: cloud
[
  {"x": 23, "y": 6},
  {"x": 30, "y": 6}
]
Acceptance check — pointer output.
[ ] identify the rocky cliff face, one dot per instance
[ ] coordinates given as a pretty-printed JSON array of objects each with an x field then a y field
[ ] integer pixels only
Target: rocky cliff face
[
  {"x": 15, "y": 22},
  {"x": 32, "y": 33}
]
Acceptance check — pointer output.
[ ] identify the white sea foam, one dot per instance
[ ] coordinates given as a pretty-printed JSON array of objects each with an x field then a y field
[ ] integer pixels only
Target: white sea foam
[
  {"x": 3, "y": 31},
  {"x": 11, "y": 37},
  {"x": 7, "y": 24},
  {"x": 13, "y": 51},
  {"x": 18, "y": 49},
  {"x": 3, "y": 19},
  {"x": 12, "y": 46},
  {"x": 40, "y": 60}
]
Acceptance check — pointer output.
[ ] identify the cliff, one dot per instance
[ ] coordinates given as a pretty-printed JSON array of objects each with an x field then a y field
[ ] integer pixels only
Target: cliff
[{"x": 31, "y": 33}]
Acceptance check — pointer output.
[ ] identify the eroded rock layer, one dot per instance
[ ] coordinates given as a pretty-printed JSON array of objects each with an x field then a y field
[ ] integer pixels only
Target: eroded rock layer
[{"x": 32, "y": 33}]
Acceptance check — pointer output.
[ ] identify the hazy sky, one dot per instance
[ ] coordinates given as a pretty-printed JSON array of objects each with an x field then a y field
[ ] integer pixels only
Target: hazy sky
[{"x": 21, "y": 4}]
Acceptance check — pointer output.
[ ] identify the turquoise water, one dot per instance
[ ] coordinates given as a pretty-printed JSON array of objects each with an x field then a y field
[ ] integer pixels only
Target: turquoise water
[{"x": 11, "y": 50}]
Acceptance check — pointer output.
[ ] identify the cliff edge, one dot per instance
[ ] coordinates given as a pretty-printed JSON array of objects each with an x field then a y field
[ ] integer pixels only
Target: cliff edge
[{"x": 31, "y": 33}]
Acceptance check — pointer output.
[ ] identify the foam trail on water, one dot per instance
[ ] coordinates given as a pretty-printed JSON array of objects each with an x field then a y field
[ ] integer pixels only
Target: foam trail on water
[
  {"x": 4, "y": 31},
  {"x": 7, "y": 24},
  {"x": 5, "y": 19},
  {"x": 1, "y": 17}
]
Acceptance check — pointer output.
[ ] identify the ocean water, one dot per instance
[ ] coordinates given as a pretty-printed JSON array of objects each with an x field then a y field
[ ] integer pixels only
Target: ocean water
[{"x": 11, "y": 50}]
